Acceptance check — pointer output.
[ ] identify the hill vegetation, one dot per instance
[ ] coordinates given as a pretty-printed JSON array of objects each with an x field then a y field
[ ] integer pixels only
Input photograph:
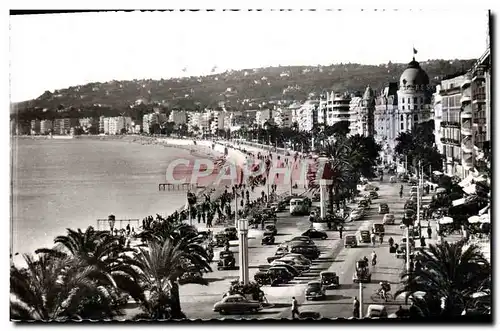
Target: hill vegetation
[{"x": 234, "y": 89}]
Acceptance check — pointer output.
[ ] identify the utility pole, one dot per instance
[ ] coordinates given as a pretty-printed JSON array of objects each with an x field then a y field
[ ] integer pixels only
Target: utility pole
[
  {"x": 360, "y": 300},
  {"x": 235, "y": 209}
]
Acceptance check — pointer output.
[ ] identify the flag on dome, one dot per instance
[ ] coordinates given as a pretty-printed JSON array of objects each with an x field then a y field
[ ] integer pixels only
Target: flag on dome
[{"x": 414, "y": 51}]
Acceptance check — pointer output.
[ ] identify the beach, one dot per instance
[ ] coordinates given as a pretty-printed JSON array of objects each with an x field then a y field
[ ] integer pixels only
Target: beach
[{"x": 59, "y": 184}]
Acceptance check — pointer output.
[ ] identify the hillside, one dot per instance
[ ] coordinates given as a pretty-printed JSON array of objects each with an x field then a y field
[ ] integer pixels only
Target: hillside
[{"x": 241, "y": 89}]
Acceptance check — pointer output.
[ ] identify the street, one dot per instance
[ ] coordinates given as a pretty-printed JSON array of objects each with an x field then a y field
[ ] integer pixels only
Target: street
[{"x": 197, "y": 300}]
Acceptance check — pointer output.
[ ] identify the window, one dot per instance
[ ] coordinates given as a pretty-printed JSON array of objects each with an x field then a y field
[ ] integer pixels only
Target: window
[
  {"x": 409, "y": 100},
  {"x": 403, "y": 99},
  {"x": 415, "y": 117},
  {"x": 402, "y": 118},
  {"x": 421, "y": 100},
  {"x": 415, "y": 100},
  {"x": 402, "y": 126},
  {"x": 403, "y": 107},
  {"x": 415, "y": 107}
]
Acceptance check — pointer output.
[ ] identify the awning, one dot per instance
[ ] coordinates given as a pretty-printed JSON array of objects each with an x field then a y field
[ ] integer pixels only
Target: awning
[
  {"x": 484, "y": 210},
  {"x": 474, "y": 219},
  {"x": 470, "y": 189},
  {"x": 458, "y": 202},
  {"x": 440, "y": 190},
  {"x": 446, "y": 220},
  {"x": 466, "y": 181},
  {"x": 437, "y": 173}
]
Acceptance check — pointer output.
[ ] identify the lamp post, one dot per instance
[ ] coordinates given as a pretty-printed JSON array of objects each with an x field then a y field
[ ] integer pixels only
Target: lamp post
[
  {"x": 408, "y": 248},
  {"x": 243, "y": 250},
  {"x": 323, "y": 184}
]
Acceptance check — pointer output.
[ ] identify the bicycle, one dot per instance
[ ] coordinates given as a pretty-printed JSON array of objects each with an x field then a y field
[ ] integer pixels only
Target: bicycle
[{"x": 377, "y": 296}]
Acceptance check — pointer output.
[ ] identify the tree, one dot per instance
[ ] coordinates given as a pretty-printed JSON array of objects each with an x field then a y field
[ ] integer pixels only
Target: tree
[
  {"x": 107, "y": 254},
  {"x": 56, "y": 289},
  {"x": 162, "y": 264},
  {"x": 450, "y": 272}
]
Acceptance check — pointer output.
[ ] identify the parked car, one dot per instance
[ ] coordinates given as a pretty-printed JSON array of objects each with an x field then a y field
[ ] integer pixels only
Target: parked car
[
  {"x": 376, "y": 311},
  {"x": 309, "y": 315},
  {"x": 231, "y": 233},
  {"x": 279, "y": 254},
  {"x": 236, "y": 304},
  {"x": 389, "y": 219},
  {"x": 373, "y": 195},
  {"x": 356, "y": 215},
  {"x": 280, "y": 272},
  {"x": 310, "y": 252},
  {"x": 383, "y": 208},
  {"x": 364, "y": 235},
  {"x": 350, "y": 241},
  {"x": 299, "y": 257},
  {"x": 315, "y": 234},
  {"x": 370, "y": 187},
  {"x": 297, "y": 264},
  {"x": 302, "y": 239},
  {"x": 291, "y": 269},
  {"x": 315, "y": 291},
  {"x": 270, "y": 230}
]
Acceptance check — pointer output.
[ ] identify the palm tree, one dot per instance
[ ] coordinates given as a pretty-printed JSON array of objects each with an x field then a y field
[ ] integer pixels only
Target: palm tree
[
  {"x": 114, "y": 265},
  {"x": 452, "y": 273},
  {"x": 56, "y": 289},
  {"x": 162, "y": 265}
]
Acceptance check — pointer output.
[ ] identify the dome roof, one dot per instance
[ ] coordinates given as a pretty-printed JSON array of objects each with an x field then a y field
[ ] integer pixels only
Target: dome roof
[
  {"x": 369, "y": 94},
  {"x": 414, "y": 75}
]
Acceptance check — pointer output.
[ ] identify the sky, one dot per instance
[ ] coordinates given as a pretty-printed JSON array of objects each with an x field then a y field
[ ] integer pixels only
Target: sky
[{"x": 55, "y": 51}]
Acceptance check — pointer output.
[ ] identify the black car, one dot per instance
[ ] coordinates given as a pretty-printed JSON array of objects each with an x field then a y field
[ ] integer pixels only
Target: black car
[
  {"x": 309, "y": 252},
  {"x": 270, "y": 230},
  {"x": 280, "y": 272},
  {"x": 315, "y": 234},
  {"x": 288, "y": 267}
]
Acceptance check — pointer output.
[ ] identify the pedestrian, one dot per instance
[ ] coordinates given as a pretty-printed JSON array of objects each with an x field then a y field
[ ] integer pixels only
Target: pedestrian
[
  {"x": 381, "y": 238},
  {"x": 340, "y": 231},
  {"x": 355, "y": 308},
  {"x": 373, "y": 238},
  {"x": 429, "y": 232},
  {"x": 422, "y": 241},
  {"x": 295, "y": 308},
  {"x": 391, "y": 241}
]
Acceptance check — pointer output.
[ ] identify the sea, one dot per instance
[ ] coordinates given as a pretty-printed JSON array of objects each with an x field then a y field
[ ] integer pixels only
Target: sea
[{"x": 60, "y": 184}]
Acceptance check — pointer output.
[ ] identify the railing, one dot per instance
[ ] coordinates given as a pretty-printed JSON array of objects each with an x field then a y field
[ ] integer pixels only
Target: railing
[{"x": 479, "y": 96}]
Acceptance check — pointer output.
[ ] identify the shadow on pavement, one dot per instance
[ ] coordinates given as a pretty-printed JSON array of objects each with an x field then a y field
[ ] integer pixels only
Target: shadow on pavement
[
  {"x": 336, "y": 297},
  {"x": 281, "y": 305},
  {"x": 212, "y": 280}
]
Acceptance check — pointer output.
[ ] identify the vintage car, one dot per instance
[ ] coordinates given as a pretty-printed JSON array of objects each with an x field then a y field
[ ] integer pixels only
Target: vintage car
[
  {"x": 279, "y": 274},
  {"x": 262, "y": 277},
  {"x": 350, "y": 241},
  {"x": 401, "y": 251},
  {"x": 279, "y": 254},
  {"x": 236, "y": 304},
  {"x": 362, "y": 272},
  {"x": 303, "y": 315},
  {"x": 314, "y": 291},
  {"x": 310, "y": 252},
  {"x": 393, "y": 179},
  {"x": 226, "y": 260},
  {"x": 370, "y": 187},
  {"x": 296, "y": 263},
  {"x": 231, "y": 233},
  {"x": 315, "y": 234},
  {"x": 221, "y": 239},
  {"x": 270, "y": 230},
  {"x": 410, "y": 204},
  {"x": 389, "y": 219},
  {"x": 383, "y": 208},
  {"x": 288, "y": 266},
  {"x": 356, "y": 215},
  {"x": 364, "y": 235},
  {"x": 301, "y": 239},
  {"x": 268, "y": 240},
  {"x": 373, "y": 195},
  {"x": 376, "y": 311},
  {"x": 299, "y": 257},
  {"x": 329, "y": 279},
  {"x": 378, "y": 229}
]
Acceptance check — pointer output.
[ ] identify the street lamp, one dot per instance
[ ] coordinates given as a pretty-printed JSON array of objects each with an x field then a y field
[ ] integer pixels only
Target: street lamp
[{"x": 243, "y": 250}]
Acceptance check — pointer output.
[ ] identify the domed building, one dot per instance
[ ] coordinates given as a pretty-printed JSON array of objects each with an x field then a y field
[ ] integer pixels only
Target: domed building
[
  {"x": 414, "y": 97},
  {"x": 366, "y": 116}
]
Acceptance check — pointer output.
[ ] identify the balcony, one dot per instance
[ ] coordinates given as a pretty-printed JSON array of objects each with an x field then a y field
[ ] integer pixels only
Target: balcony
[
  {"x": 478, "y": 74},
  {"x": 450, "y": 141},
  {"x": 466, "y": 131},
  {"x": 479, "y": 98},
  {"x": 465, "y": 114},
  {"x": 467, "y": 161},
  {"x": 449, "y": 124},
  {"x": 465, "y": 99},
  {"x": 466, "y": 83},
  {"x": 479, "y": 121}
]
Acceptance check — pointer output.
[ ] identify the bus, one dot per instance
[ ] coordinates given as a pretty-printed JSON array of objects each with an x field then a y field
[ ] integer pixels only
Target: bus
[{"x": 299, "y": 206}]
